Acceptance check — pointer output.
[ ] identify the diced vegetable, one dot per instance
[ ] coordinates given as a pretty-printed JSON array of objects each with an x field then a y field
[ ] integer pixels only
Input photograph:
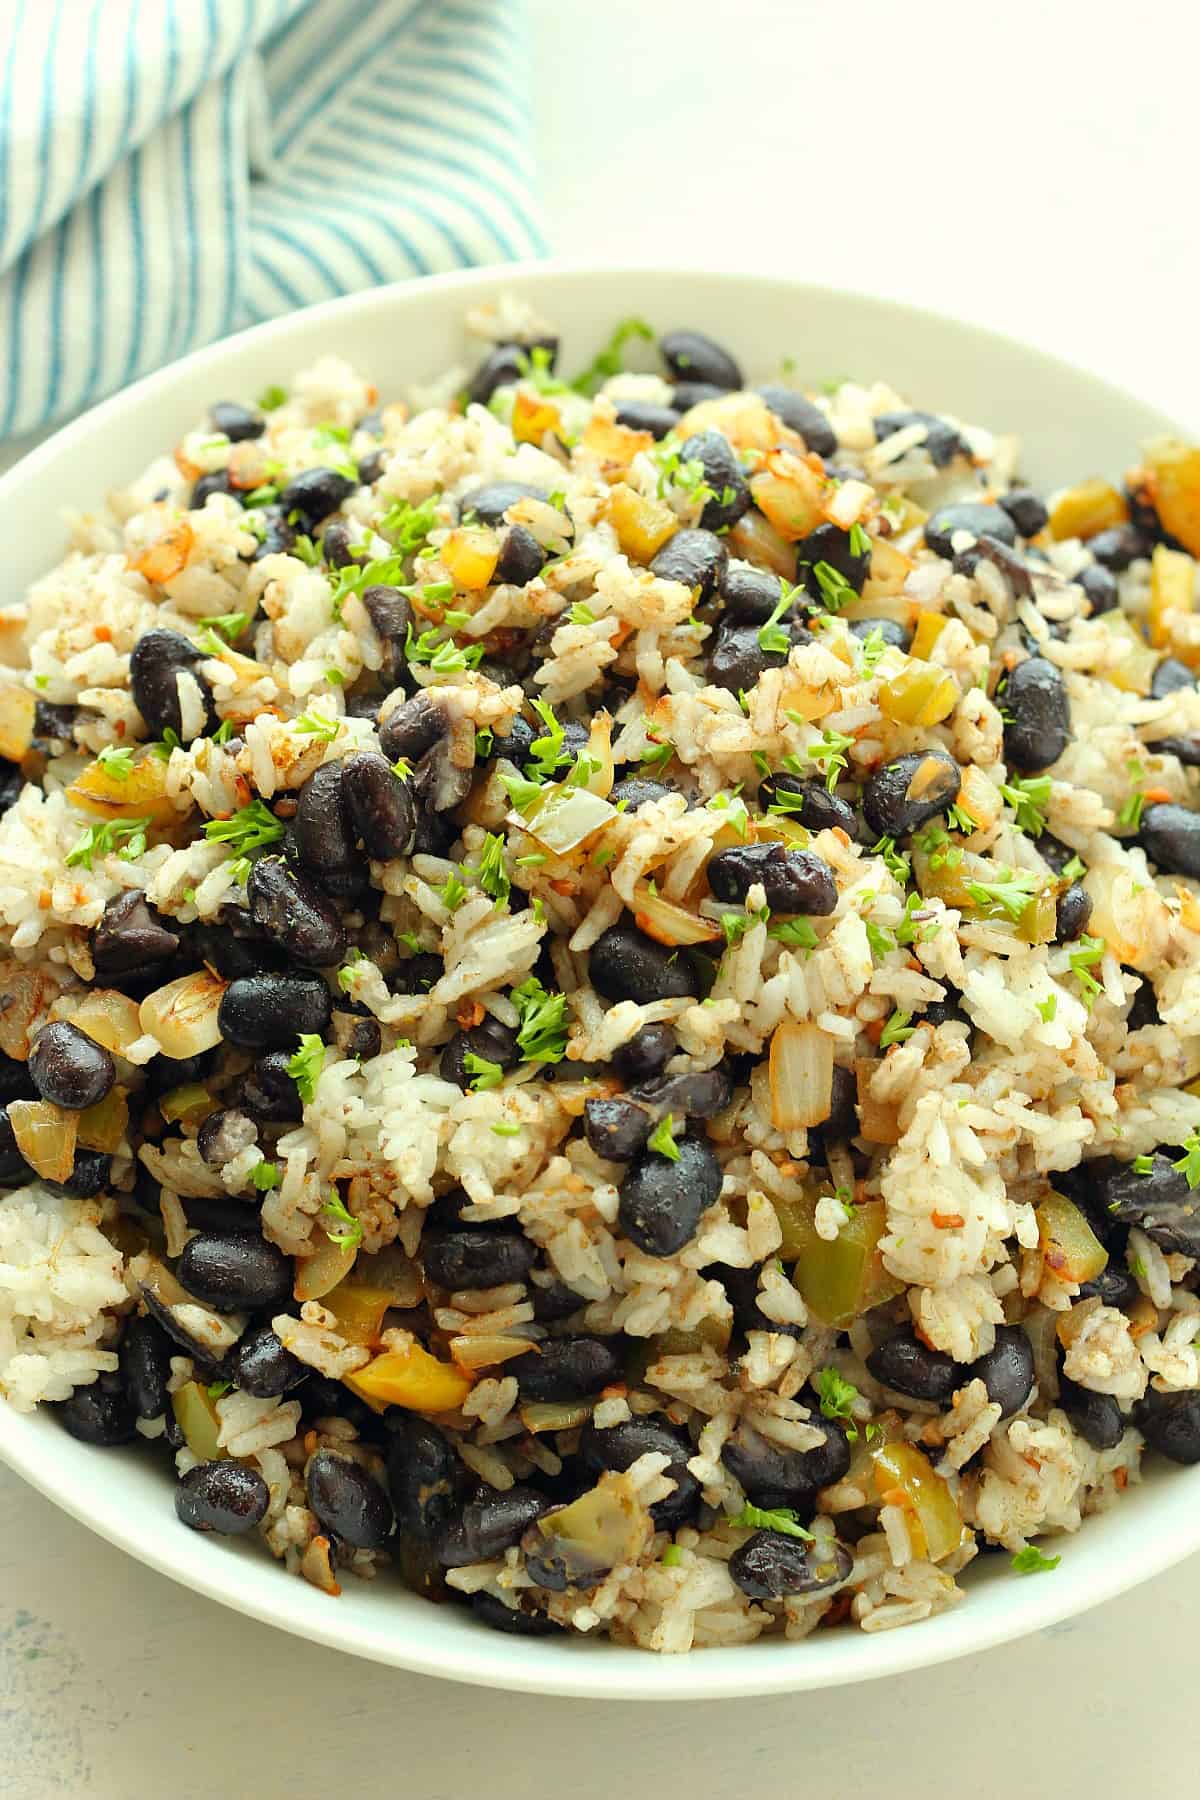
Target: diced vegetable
[
  {"x": 1084, "y": 510},
  {"x": 801, "y": 1075},
  {"x": 188, "y": 1104},
  {"x": 411, "y": 1378},
  {"x": 755, "y": 539},
  {"x": 533, "y": 416},
  {"x": 679, "y": 1340},
  {"x": 615, "y": 447},
  {"x": 101, "y": 1127},
  {"x": 484, "y": 1349},
  {"x": 930, "y": 626},
  {"x": 642, "y": 526},
  {"x": 878, "y": 1119},
  {"x": 1172, "y": 590},
  {"x": 111, "y": 1018},
  {"x": 921, "y": 694},
  {"x": 1175, "y": 472},
  {"x": 1070, "y": 1248},
  {"x": 890, "y": 569},
  {"x": 978, "y": 797},
  {"x": 142, "y": 794},
  {"x": 565, "y": 817},
  {"x": 605, "y": 1527},
  {"x": 670, "y": 924},
  {"x": 904, "y": 1474},
  {"x": 18, "y": 709},
  {"x": 45, "y": 1136},
  {"x": 555, "y": 1415},
  {"x": 167, "y": 556},
  {"x": 319, "y": 1274},
  {"x": 183, "y": 1015},
  {"x": 197, "y": 1417},
  {"x": 28, "y": 994},
  {"x": 470, "y": 554},
  {"x": 842, "y": 1278},
  {"x": 745, "y": 419},
  {"x": 359, "y": 1310},
  {"x": 791, "y": 494}
]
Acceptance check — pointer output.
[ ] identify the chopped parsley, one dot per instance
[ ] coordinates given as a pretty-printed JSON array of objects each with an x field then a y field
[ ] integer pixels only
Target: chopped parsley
[
  {"x": 658, "y": 756},
  {"x": 835, "y": 589},
  {"x": 734, "y": 807},
  {"x": 221, "y": 735},
  {"x": 736, "y": 925},
  {"x": 352, "y": 1236},
  {"x": 797, "y": 934},
  {"x": 452, "y": 892},
  {"x": 102, "y": 840},
  {"x": 170, "y": 741},
  {"x": 318, "y": 725},
  {"x": 215, "y": 1389},
  {"x": 830, "y": 755},
  {"x": 484, "y": 1073},
  {"x": 873, "y": 646},
  {"x": 1030, "y": 1561},
  {"x": 1086, "y": 953},
  {"x": 1027, "y": 795},
  {"x": 491, "y": 872},
  {"x": 1075, "y": 870},
  {"x": 547, "y": 752},
  {"x": 1048, "y": 1007},
  {"x": 406, "y": 526},
  {"x": 607, "y": 362},
  {"x": 523, "y": 793},
  {"x": 1143, "y": 1165},
  {"x": 502, "y": 1130},
  {"x": 1189, "y": 1163},
  {"x": 305, "y": 1066},
  {"x": 1007, "y": 896},
  {"x": 250, "y": 828},
  {"x": 860, "y": 543},
  {"x": 779, "y": 1518},
  {"x": 897, "y": 1029},
  {"x": 773, "y": 640},
  {"x": 896, "y": 863},
  {"x": 581, "y": 614},
  {"x": 662, "y": 1139},
  {"x": 542, "y": 1035},
  {"x": 959, "y": 819},
  {"x": 117, "y": 763},
  {"x": 879, "y": 939},
  {"x": 787, "y": 801},
  {"x": 836, "y": 1394},
  {"x": 265, "y": 1175},
  {"x": 272, "y": 397},
  {"x": 672, "y": 1556},
  {"x": 443, "y": 655},
  {"x": 230, "y": 625}
]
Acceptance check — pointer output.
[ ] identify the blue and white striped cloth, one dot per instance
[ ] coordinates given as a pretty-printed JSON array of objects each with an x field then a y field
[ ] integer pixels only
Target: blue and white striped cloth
[{"x": 171, "y": 170}]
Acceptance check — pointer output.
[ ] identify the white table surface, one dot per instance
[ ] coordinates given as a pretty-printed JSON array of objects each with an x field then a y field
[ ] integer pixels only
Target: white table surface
[{"x": 1027, "y": 167}]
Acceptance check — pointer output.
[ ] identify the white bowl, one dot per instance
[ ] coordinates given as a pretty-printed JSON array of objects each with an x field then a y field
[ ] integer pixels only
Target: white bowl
[{"x": 1074, "y": 425}]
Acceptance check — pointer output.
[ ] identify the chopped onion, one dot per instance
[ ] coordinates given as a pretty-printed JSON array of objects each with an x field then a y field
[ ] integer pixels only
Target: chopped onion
[
  {"x": 667, "y": 923},
  {"x": 599, "y": 753},
  {"x": 45, "y": 1136},
  {"x": 102, "y": 1126},
  {"x": 878, "y": 1122},
  {"x": 555, "y": 1415},
  {"x": 183, "y": 1015},
  {"x": 17, "y": 709},
  {"x": 318, "y": 1274},
  {"x": 801, "y": 1072},
  {"x": 28, "y": 994},
  {"x": 565, "y": 818},
  {"x": 111, "y": 1019},
  {"x": 481, "y": 1350}
]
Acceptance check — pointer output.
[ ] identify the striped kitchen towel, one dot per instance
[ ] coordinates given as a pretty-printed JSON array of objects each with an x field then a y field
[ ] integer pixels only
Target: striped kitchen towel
[{"x": 171, "y": 170}]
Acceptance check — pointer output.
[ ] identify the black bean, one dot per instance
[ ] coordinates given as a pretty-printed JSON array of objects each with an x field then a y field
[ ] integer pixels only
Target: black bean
[
  {"x": 554, "y": 1303},
  {"x": 775, "y": 1477},
  {"x": 695, "y": 1094},
  {"x": 1073, "y": 914},
  {"x": 691, "y": 356},
  {"x": 227, "y": 1496},
  {"x": 490, "y": 1041},
  {"x": 263, "y": 1367},
  {"x": 638, "y": 791},
  {"x": 157, "y": 659},
  {"x": 1100, "y": 586},
  {"x": 801, "y": 415},
  {"x": 1006, "y": 1370},
  {"x": 662, "y": 1201},
  {"x": 323, "y": 1398},
  {"x": 842, "y": 1120},
  {"x": 489, "y": 1526},
  {"x": 417, "y": 974},
  {"x": 942, "y": 1012},
  {"x": 89, "y": 1175},
  {"x": 315, "y": 493},
  {"x": 625, "y": 964},
  {"x": 413, "y": 728},
  {"x": 750, "y": 594},
  {"x": 904, "y": 1363},
  {"x": 646, "y": 1054},
  {"x": 567, "y": 1368},
  {"x": 617, "y": 1447},
  {"x": 420, "y": 1470},
  {"x": 371, "y": 467},
  {"x": 99, "y": 1414},
  {"x": 235, "y": 1271},
  {"x": 278, "y": 534},
  {"x": 521, "y": 557},
  {"x": 391, "y": 615},
  {"x": 268, "y": 1093},
  {"x": 503, "y": 365},
  {"x": 357, "y": 1036},
  {"x": 809, "y": 800},
  {"x": 491, "y": 502},
  {"x": 381, "y": 806},
  {"x": 1037, "y": 715},
  {"x": 14, "y": 1080},
  {"x": 831, "y": 547},
  {"x": 890, "y": 630},
  {"x": 736, "y": 658},
  {"x": 905, "y": 794},
  {"x": 686, "y": 394},
  {"x": 1160, "y": 1202},
  {"x": 145, "y": 1360},
  {"x": 970, "y": 517},
  {"x": 1115, "y": 1285},
  {"x": 223, "y": 1135},
  {"x": 301, "y": 917},
  {"x": 131, "y": 936},
  {"x": 646, "y": 415},
  {"x": 1026, "y": 509},
  {"x": 336, "y": 541},
  {"x": 491, "y": 1611},
  {"x": 1170, "y": 836},
  {"x": 697, "y": 558},
  {"x": 69, "y": 1068},
  {"x": 1170, "y": 1424},
  {"x": 321, "y": 828},
  {"x": 1096, "y": 1417},
  {"x": 794, "y": 881},
  {"x": 769, "y": 1565},
  {"x": 515, "y": 747},
  {"x": 558, "y": 1557},
  {"x": 1186, "y": 749},
  {"x": 616, "y": 1128},
  {"x": 942, "y": 440},
  {"x": 217, "y": 482},
  {"x": 723, "y": 474},
  {"x": 237, "y": 422},
  {"x": 54, "y": 722},
  {"x": 1119, "y": 546},
  {"x": 476, "y": 1258},
  {"x": 1171, "y": 676},
  {"x": 12, "y": 781},
  {"x": 1010, "y": 563},
  {"x": 349, "y": 1503}
]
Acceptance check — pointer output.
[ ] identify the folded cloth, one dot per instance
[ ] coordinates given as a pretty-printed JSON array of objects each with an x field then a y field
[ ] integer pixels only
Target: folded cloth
[{"x": 171, "y": 170}]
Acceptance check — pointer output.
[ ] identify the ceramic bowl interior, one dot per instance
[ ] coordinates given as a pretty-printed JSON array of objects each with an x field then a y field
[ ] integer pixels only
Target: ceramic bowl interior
[{"x": 1072, "y": 424}]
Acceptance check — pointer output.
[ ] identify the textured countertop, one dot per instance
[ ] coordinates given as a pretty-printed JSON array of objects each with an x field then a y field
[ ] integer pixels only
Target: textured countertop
[{"x": 1020, "y": 168}]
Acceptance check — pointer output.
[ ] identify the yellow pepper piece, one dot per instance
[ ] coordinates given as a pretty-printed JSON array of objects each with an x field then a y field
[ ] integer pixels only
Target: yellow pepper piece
[
  {"x": 358, "y": 1309},
  {"x": 1084, "y": 510},
  {"x": 840, "y": 1278},
  {"x": 410, "y": 1378},
  {"x": 1176, "y": 471},
  {"x": 533, "y": 416},
  {"x": 1135, "y": 670},
  {"x": 1172, "y": 590},
  {"x": 790, "y": 493},
  {"x": 142, "y": 794},
  {"x": 642, "y": 526},
  {"x": 198, "y": 1419},
  {"x": 930, "y": 626},
  {"x": 921, "y": 694},
  {"x": 18, "y": 710},
  {"x": 1070, "y": 1248},
  {"x": 102, "y": 1126},
  {"x": 904, "y": 1472},
  {"x": 470, "y": 554}
]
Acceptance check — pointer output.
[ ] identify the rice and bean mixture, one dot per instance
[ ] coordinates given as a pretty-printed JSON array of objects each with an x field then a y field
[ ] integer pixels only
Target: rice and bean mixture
[{"x": 601, "y": 989}]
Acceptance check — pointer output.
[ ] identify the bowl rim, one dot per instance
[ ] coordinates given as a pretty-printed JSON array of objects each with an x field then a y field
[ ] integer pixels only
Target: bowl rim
[{"x": 555, "y": 1666}]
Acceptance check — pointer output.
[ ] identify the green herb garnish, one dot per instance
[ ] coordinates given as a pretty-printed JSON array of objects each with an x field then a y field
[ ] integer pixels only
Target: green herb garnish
[
  {"x": 352, "y": 1236},
  {"x": 305, "y": 1066},
  {"x": 542, "y": 1035},
  {"x": 662, "y": 1139},
  {"x": 249, "y": 829},
  {"x": 780, "y": 1518}
]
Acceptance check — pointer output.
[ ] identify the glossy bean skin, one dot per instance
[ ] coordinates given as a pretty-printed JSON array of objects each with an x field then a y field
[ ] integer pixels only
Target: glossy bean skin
[
  {"x": 1011, "y": 564},
  {"x": 477, "y": 1258},
  {"x": 268, "y": 1093},
  {"x": 349, "y": 1503},
  {"x": 490, "y": 503},
  {"x": 1073, "y": 913},
  {"x": 381, "y": 806},
  {"x": 489, "y": 1526},
  {"x": 770, "y": 1565},
  {"x": 773, "y": 1476},
  {"x": 88, "y": 1177},
  {"x": 971, "y": 519},
  {"x": 693, "y": 1094},
  {"x": 812, "y": 803},
  {"x": 390, "y": 613},
  {"x": 646, "y": 415},
  {"x": 263, "y": 1367},
  {"x": 217, "y": 482},
  {"x": 686, "y": 394},
  {"x": 69, "y": 1068},
  {"x": 315, "y": 493},
  {"x": 616, "y": 1128},
  {"x": 794, "y": 881},
  {"x": 625, "y": 964},
  {"x": 1171, "y": 676},
  {"x": 223, "y": 1134},
  {"x": 521, "y": 557},
  {"x": 227, "y": 1497},
  {"x": 237, "y": 422},
  {"x": 421, "y": 1469},
  {"x": 503, "y": 365},
  {"x": 723, "y": 474},
  {"x": 1114, "y": 1285},
  {"x": 491, "y": 1041},
  {"x": 831, "y": 545},
  {"x": 324, "y": 835},
  {"x": 296, "y": 913},
  {"x": 905, "y": 794},
  {"x": 696, "y": 558},
  {"x": 131, "y": 937},
  {"x": 691, "y": 356},
  {"x": 942, "y": 440},
  {"x": 158, "y": 657},
  {"x": 617, "y": 1447},
  {"x": 235, "y": 1271},
  {"x": 99, "y": 1414},
  {"x": 1027, "y": 511},
  {"x": 1006, "y": 1370},
  {"x": 750, "y": 594},
  {"x": 1170, "y": 836},
  {"x": 801, "y": 415},
  {"x": 1038, "y": 722},
  {"x": 567, "y": 1368},
  {"x": 662, "y": 1202},
  {"x": 1100, "y": 586},
  {"x": 638, "y": 791},
  {"x": 1170, "y": 1424},
  {"x": 278, "y": 536},
  {"x": 1119, "y": 546},
  {"x": 904, "y": 1363},
  {"x": 413, "y": 728},
  {"x": 646, "y": 1053},
  {"x": 735, "y": 656},
  {"x": 843, "y": 1121},
  {"x": 1096, "y": 1417},
  {"x": 890, "y": 630},
  {"x": 145, "y": 1363},
  {"x": 492, "y": 1612},
  {"x": 1160, "y": 1202}
]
